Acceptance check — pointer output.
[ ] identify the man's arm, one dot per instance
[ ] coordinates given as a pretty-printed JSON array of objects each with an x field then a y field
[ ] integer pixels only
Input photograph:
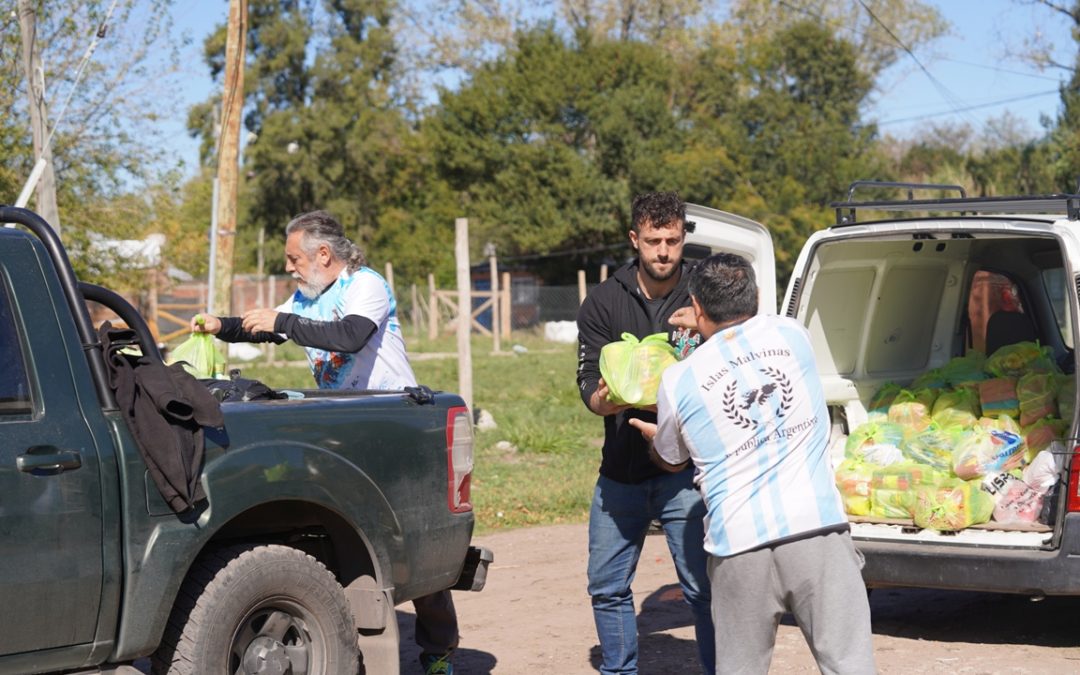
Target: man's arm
[
  {"x": 592, "y": 336},
  {"x": 667, "y": 449},
  {"x": 230, "y": 329},
  {"x": 346, "y": 335},
  {"x": 649, "y": 430}
]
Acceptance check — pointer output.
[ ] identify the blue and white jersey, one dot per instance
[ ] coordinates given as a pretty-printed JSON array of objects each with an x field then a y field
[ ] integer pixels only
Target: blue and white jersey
[
  {"x": 747, "y": 406},
  {"x": 382, "y": 363}
]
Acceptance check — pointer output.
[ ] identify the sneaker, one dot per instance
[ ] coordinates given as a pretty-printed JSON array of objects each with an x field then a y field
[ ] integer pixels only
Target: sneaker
[{"x": 435, "y": 664}]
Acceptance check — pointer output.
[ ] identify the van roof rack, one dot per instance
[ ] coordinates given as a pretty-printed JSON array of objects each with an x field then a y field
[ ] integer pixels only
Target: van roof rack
[{"x": 1054, "y": 204}]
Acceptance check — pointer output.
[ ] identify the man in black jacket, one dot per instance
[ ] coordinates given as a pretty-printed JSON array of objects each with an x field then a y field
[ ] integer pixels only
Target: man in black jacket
[{"x": 631, "y": 491}]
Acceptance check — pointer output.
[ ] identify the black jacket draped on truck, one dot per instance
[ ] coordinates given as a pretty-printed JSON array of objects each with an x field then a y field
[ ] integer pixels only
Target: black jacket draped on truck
[{"x": 165, "y": 409}]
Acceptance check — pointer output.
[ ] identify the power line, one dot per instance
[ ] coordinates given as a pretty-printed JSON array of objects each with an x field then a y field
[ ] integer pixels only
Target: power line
[
  {"x": 1001, "y": 70},
  {"x": 991, "y": 104},
  {"x": 945, "y": 92}
]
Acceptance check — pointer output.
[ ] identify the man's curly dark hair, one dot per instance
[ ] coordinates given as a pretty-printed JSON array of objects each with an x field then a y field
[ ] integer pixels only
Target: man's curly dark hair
[{"x": 657, "y": 208}]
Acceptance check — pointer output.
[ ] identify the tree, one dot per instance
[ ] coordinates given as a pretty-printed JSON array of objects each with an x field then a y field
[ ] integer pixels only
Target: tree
[
  {"x": 102, "y": 112},
  {"x": 880, "y": 31},
  {"x": 546, "y": 144}
]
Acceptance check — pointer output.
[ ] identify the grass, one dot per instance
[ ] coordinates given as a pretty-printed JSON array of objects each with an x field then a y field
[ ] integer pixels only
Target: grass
[{"x": 539, "y": 465}]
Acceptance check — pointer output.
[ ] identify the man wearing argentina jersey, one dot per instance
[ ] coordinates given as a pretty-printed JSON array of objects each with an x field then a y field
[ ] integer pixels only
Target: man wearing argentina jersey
[
  {"x": 747, "y": 407},
  {"x": 344, "y": 315}
]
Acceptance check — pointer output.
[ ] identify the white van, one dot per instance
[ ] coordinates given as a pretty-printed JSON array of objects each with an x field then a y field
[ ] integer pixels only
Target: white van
[{"x": 887, "y": 298}]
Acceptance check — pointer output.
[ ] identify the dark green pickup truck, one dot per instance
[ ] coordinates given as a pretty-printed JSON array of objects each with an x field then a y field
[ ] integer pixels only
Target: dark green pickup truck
[{"x": 322, "y": 513}]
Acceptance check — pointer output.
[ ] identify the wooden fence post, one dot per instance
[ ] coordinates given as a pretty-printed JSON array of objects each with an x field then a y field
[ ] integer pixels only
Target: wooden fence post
[
  {"x": 495, "y": 310},
  {"x": 507, "y": 307},
  {"x": 415, "y": 309},
  {"x": 464, "y": 316},
  {"x": 433, "y": 309}
]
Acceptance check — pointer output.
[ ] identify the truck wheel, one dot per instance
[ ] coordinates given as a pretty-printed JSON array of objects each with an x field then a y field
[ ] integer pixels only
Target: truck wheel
[{"x": 259, "y": 609}]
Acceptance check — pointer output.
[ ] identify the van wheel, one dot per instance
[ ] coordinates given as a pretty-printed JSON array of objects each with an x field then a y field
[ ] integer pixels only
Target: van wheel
[{"x": 258, "y": 609}]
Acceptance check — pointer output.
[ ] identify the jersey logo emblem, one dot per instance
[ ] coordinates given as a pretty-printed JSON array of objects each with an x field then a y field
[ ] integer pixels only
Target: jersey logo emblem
[{"x": 745, "y": 407}]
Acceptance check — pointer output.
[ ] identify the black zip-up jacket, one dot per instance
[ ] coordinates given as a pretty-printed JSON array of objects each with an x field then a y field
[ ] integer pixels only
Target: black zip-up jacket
[{"x": 615, "y": 307}]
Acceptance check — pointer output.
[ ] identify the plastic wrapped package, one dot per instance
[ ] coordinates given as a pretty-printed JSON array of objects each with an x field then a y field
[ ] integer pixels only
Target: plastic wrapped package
[
  {"x": 1037, "y": 396},
  {"x": 965, "y": 369},
  {"x": 932, "y": 447},
  {"x": 632, "y": 368},
  {"x": 883, "y": 398},
  {"x": 931, "y": 379},
  {"x": 1020, "y": 358},
  {"x": 853, "y": 478},
  {"x": 906, "y": 476},
  {"x": 875, "y": 442},
  {"x": 890, "y": 503},
  {"x": 1002, "y": 423},
  {"x": 1039, "y": 436},
  {"x": 1018, "y": 503},
  {"x": 981, "y": 451},
  {"x": 951, "y": 505},
  {"x": 1045, "y": 470},
  {"x": 957, "y": 407},
  {"x": 911, "y": 409},
  {"x": 997, "y": 397}
]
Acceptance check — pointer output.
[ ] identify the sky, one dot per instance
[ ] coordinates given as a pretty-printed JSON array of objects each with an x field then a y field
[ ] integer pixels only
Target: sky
[{"x": 966, "y": 77}]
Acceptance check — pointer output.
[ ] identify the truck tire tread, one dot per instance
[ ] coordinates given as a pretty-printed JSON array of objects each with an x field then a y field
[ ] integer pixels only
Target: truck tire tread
[{"x": 222, "y": 587}]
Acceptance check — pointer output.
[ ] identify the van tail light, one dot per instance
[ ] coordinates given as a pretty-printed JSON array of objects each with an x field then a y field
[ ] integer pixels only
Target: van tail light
[
  {"x": 459, "y": 459},
  {"x": 1074, "y": 480}
]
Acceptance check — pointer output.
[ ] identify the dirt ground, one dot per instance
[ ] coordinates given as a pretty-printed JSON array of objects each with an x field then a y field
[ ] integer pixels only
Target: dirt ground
[{"x": 534, "y": 616}]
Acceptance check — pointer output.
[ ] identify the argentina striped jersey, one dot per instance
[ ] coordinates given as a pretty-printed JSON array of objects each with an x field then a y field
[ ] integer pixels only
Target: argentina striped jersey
[{"x": 747, "y": 406}]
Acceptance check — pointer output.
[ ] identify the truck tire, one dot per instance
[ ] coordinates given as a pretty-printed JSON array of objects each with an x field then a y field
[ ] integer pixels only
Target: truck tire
[{"x": 258, "y": 609}]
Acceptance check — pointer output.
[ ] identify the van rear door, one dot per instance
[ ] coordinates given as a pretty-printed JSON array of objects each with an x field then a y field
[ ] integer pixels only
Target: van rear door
[{"x": 718, "y": 231}]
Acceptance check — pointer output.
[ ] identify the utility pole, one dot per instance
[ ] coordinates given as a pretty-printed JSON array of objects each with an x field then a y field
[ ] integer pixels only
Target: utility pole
[
  {"x": 39, "y": 113},
  {"x": 228, "y": 156}
]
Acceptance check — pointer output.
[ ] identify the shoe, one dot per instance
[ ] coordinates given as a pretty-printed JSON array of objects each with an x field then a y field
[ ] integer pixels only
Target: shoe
[{"x": 435, "y": 664}]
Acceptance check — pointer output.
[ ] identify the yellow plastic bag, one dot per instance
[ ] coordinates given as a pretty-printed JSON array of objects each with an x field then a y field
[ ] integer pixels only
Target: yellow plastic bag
[
  {"x": 199, "y": 356},
  {"x": 632, "y": 368}
]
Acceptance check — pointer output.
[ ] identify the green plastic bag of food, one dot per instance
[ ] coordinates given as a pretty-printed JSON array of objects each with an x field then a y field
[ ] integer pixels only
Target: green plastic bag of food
[
  {"x": 199, "y": 357},
  {"x": 906, "y": 476},
  {"x": 965, "y": 369},
  {"x": 1037, "y": 394},
  {"x": 931, "y": 379},
  {"x": 632, "y": 368},
  {"x": 883, "y": 398},
  {"x": 952, "y": 505},
  {"x": 875, "y": 442},
  {"x": 891, "y": 503},
  {"x": 911, "y": 409},
  {"x": 981, "y": 451},
  {"x": 1023, "y": 357},
  {"x": 933, "y": 446},
  {"x": 957, "y": 408},
  {"x": 1039, "y": 435},
  {"x": 853, "y": 481}
]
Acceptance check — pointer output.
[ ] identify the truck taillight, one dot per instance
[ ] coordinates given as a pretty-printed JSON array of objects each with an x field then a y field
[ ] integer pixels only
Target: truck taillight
[
  {"x": 1074, "y": 480},
  {"x": 459, "y": 458}
]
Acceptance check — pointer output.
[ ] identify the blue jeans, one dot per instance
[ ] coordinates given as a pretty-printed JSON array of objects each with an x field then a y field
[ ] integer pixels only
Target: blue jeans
[{"x": 618, "y": 523}]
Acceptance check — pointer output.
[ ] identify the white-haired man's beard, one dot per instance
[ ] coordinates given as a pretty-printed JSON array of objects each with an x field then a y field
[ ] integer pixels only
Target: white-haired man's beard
[{"x": 312, "y": 287}]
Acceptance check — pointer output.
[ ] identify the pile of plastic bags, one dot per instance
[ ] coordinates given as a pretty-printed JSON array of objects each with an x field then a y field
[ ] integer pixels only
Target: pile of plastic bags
[{"x": 963, "y": 443}]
